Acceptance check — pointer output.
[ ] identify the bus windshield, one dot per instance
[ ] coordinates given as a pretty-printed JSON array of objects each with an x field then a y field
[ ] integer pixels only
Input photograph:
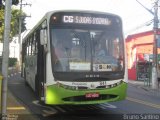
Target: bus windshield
[{"x": 86, "y": 50}]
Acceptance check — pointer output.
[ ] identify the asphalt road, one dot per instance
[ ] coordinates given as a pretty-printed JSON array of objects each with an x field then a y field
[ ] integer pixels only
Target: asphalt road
[{"x": 140, "y": 104}]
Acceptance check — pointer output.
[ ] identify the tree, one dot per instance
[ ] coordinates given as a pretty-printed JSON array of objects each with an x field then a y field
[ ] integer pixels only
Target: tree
[
  {"x": 14, "y": 2},
  {"x": 14, "y": 22},
  {"x": 2, "y": 23},
  {"x": 0, "y": 2}
]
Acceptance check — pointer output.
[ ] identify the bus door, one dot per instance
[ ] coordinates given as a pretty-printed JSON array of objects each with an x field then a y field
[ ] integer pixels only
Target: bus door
[{"x": 41, "y": 60}]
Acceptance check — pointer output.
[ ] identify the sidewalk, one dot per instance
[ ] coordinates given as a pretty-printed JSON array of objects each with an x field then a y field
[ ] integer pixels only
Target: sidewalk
[
  {"x": 16, "y": 110},
  {"x": 143, "y": 85}
]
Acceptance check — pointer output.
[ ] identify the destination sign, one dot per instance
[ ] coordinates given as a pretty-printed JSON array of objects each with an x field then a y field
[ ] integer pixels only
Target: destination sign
[{"x": 86, "y": 20}]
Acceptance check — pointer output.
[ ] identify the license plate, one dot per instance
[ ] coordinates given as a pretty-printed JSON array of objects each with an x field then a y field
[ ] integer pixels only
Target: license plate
[{"x": 92, "y": 95}]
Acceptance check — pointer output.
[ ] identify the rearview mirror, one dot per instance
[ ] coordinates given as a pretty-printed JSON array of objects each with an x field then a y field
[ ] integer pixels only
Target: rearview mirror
[
  {"x": 43, "y": 33},
  {"x": 43, "y": 37}
]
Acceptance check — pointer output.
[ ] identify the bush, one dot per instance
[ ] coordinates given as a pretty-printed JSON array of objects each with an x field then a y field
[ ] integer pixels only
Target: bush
[{"x": 12, "y": 62}]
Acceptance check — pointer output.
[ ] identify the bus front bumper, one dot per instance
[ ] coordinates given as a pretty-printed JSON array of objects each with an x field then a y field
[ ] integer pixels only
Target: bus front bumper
[{"x": 56, "y": 95}]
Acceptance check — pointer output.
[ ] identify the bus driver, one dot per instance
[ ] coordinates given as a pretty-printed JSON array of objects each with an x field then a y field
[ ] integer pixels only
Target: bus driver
[{"x": 99, "y": 52}]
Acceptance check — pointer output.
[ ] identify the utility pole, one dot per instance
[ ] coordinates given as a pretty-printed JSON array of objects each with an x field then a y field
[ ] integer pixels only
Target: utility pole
[
  {"x": 19, "y": 37},
  {"x": 7, "y": 21},
  {"x": 155, "y": 28},
  {"x": 154, "y": 64},
  {"x": 20, "y": 31}
]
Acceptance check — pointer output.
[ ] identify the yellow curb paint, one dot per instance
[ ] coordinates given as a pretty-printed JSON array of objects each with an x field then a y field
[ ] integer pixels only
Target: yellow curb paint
[
  {"x": 16, "y": 108},
  {"x": 144, "y": 102}
]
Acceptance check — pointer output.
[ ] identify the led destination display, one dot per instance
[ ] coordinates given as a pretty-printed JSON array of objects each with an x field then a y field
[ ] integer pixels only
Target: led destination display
[
  {"x": 86, "y": 20},
  {"x": 104, "y": 20}
]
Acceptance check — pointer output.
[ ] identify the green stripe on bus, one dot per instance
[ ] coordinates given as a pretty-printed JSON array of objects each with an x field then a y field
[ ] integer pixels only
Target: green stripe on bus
[{"x": 55, "y": 94}]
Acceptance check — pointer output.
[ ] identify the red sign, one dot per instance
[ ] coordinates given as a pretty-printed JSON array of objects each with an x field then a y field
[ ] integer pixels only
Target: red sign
[{"x": 92, "y": 95}]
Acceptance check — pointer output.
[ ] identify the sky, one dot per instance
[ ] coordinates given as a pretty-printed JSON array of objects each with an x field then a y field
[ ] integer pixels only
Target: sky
[{"x": 132, "y": 13}]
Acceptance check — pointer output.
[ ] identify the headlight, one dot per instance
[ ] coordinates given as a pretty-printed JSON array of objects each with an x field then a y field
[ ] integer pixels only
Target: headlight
[
  {"x": 66, "y": 86},
  {"x": 114, "y": 85}
]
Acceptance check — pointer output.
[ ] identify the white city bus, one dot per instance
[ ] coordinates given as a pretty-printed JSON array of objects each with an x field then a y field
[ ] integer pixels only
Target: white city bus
[{"x": 78, "y": 74}]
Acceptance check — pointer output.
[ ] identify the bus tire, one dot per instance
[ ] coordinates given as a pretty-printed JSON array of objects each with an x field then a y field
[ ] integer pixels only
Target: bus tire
[
  {"x": 36, "y": 86},
  {"x": 25, "y": 80},
  {"x": 26, "y": 83}
]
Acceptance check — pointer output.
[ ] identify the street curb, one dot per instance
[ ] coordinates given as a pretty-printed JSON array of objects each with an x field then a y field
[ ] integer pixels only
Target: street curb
[{"x": 141, "y": 84}]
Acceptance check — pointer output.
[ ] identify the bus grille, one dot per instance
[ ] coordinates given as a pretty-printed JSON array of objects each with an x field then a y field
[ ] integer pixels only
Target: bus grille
[{"x": 83, "y": 98}]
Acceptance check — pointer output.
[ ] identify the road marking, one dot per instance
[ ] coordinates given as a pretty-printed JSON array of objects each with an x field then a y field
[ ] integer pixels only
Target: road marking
[
  {"x": 110, "y": 105},
  {"x": 60, "y": 109},
  {"x": 143, "y": 102},
  {"x": 47, "y": 113},
  {"x": 16, "y": 108},
  {"x": 102, "y": 107}
]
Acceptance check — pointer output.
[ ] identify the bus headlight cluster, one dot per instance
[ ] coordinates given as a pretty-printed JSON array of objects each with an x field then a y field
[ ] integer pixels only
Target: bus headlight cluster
[
  {"x": 114, "y": 85},
  {"x": 67, "y": 87},
  {"x": 78, "y": 87},
  {"x": 70, "y": 87}
]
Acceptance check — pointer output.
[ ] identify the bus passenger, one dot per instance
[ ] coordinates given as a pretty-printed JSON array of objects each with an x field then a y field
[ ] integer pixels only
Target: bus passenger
[
  {"x": 99, "y": 52},
  {"x": 60, "y": 51}
]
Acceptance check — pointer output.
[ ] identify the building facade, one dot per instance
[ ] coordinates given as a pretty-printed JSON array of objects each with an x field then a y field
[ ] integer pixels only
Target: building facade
[
  {"x": 140, "y": 53},
  {"x": 13, "y": 48}
]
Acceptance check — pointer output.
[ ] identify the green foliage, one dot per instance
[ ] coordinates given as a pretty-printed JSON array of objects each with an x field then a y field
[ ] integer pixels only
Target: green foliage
[
  {"x": 2, "y": 23},
  {"x": 12, "y": 62},
  {"x": 15, "y": 2},
  {"x": 14, "y": 22},
  {"x": 0, "y": 2}
]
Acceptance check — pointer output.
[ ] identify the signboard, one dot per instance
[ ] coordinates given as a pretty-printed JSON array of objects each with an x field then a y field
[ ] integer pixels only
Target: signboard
[
  {"x": 86, "y": 20},
  {"x": 82, "y": 18},
  {"x": 143, "y": 70}
]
